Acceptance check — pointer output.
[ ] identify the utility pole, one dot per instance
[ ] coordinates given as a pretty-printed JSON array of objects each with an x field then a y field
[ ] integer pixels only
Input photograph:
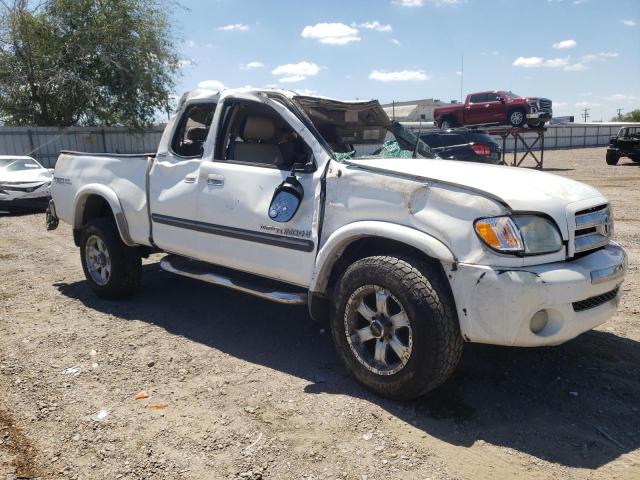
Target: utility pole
[
  {"x": 461, "y": 75},
  {"x": 585, "y": 114},
  {"x": 619, "y": 113}
]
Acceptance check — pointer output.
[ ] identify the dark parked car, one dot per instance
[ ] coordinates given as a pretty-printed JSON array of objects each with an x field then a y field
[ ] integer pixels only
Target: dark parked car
[
  {"x": 625, "y": 144},
  {"x": 463, "y": 144}
]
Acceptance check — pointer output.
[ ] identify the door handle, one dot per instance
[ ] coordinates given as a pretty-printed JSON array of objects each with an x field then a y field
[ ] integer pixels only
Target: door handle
[
  {"x": 190, "y": 179},
  {"x": 215, "y": 180}
]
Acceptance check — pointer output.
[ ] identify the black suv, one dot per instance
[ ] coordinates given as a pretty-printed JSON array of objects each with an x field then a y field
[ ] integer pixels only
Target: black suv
[
  {"x": 468, "y": 145},
  {"x": 626, "y": 144}
]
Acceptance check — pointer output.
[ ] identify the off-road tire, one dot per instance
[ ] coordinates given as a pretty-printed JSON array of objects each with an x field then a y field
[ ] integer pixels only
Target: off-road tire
[
  {"x": 126, "y": 263},
  {"x": 517, "y": 124},
  {"x": 612, "y": 157},
  {"x": 448, "y": 123},
  {"x": 426, "y": 297}
]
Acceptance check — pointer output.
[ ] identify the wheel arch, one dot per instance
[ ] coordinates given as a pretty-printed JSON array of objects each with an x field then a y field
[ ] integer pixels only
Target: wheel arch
[
  {"x": 96, "y": 201},
  {"x": 366, "y": 238}
]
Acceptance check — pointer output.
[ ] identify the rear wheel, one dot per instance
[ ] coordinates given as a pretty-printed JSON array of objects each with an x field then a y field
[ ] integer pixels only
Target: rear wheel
[
  {"x": 517, "y": 117},
  {"x": 447, "y": 123},
  {"x": 112, "y": 269},
  {"x": 612, "y": 157},
  {"x": 395, "y": 327}
]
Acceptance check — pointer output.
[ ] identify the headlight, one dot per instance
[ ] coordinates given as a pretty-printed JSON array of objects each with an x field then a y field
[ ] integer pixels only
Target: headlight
[{"x": 519, "y": 234}]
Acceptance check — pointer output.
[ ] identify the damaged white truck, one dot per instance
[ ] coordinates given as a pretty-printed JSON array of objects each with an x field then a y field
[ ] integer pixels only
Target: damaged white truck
[{"x": 306, "y": 200}]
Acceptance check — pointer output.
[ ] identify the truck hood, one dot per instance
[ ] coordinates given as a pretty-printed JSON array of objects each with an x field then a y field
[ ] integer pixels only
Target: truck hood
[
  {"x": 521, "y": 189},
  {"x": 24, "y": 176}
]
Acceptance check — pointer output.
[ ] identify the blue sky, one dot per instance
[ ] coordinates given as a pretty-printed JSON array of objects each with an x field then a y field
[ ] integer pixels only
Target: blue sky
[{"x": 579, "y": 53}]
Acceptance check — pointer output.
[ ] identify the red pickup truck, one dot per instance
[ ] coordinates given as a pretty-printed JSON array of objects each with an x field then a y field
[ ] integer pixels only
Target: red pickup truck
[{"x": 495, "y": 107}]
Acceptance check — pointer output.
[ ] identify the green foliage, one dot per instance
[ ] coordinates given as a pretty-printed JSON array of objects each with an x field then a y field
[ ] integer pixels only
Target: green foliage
[
  {"x": 632, "y": 116},
  {"x": 92, "y": 62}
]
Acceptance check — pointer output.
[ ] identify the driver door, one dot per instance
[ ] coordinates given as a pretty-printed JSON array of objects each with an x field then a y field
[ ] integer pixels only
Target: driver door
[{"x": 256, "y": 146}]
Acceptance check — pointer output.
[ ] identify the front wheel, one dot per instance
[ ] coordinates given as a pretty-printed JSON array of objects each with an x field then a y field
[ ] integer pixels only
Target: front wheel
[
  {"x": 395, "y": 327},
  {"x": 612, "y": 157},
  {"x": 447, "y": 124},
  {"x": 517, "y": 118},
  {"x": 112, "y": 269}
]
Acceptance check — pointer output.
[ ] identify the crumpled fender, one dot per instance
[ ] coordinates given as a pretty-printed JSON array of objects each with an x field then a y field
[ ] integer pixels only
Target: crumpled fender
[
  {"x": 79, "y": 203},
  {"x": 342, "y": 237}
]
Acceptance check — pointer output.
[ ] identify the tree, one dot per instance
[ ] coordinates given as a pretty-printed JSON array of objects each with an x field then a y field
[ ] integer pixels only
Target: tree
[
  {"x": 632, "y": 116},
  {"x": 91, "y": 62}
]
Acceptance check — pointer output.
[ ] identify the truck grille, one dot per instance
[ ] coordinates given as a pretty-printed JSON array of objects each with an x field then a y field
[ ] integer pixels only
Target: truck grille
[
  {"x": 593, "y": 302},
  {"x": 545, "y": 104},
  {"x": 594, "y": 228}
]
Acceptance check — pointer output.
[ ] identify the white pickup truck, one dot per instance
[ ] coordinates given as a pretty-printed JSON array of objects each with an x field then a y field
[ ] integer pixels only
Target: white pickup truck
[{"x": 307, "y": 200}]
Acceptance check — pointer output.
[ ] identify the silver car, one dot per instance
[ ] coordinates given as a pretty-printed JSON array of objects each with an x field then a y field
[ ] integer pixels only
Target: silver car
[{"x": 24, "y": 183}]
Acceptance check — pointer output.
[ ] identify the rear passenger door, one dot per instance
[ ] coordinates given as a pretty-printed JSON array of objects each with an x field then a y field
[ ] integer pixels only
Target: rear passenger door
[
  {"x": 255, "y": 149},
  {"x": 173, "y": 179}
]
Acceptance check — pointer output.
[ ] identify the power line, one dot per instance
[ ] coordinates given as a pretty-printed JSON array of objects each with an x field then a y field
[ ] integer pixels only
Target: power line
[
  {"x": 619, "y": 110},
  {"x": 585, "y": 114}
]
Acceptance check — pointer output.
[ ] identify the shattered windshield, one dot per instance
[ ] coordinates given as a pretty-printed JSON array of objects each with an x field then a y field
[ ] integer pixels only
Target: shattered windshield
[
  {"x": 400, "y": 142},
  {"x": 354, "y": 130}
]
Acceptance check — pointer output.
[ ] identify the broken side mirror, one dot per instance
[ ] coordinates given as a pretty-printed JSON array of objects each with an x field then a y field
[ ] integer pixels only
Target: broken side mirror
[{"x": 286, "y": 200}]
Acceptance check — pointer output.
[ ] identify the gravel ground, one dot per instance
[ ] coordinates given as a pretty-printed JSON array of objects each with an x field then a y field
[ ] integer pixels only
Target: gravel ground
[{"x": 236, "y": 387}]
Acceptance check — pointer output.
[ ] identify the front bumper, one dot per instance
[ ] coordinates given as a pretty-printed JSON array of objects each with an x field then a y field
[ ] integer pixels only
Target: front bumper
[
  {"x": 495, "y": 306},
  {"x": 539, "y": 115}
]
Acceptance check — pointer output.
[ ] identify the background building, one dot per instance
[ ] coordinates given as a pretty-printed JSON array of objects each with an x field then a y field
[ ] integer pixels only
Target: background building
[{"x": 413, "y": 110}]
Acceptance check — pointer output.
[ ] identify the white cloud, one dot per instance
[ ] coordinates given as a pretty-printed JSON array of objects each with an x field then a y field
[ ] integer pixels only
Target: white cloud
[
  {"x": 586, "y": 104},
  {"x": 399, "y": 76},
  {"x": 556, "y": 63},
  {"x": 331, "y": 33},
  {"x": 559, "y": 104},
  {"x": 395, "y": 41},
  {"x": 608, "y": 54},
  {"x": 420, "y": 3},
  {"x": 375, "y": 25},
  {"x": 234, "y": 27},
  {"x": 251, "y": 65},
  {"x": 619, "y": 97},
  {"x": 629, "y": 23},
  {"x": 409, "y": 3},
  {"x": 565, "y": 44},
  {"x": 575, "y": 67},
  {"x": 296, "y": 72},
  {"x": 211, "y": 85},
  {"x": 528, "y": 62}
]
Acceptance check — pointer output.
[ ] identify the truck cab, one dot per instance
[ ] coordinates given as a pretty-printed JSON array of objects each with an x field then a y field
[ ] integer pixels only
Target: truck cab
[{"x": 308, "y": 200}]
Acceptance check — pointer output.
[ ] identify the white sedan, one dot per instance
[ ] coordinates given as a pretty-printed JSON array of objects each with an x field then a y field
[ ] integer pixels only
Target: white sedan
[{"x": 24, "y": 183}]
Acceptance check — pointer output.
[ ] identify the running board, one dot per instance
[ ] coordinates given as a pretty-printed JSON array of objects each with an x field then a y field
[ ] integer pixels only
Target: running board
[{"x": 243, "y": 282}]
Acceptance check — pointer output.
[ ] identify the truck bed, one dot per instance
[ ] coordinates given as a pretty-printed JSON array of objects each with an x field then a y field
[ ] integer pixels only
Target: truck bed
[{"x": 119, "y": 177}]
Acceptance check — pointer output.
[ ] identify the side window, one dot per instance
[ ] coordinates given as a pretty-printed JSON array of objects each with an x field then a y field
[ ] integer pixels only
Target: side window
[
  {"x": 478, "y": 98},
  {"x": 492, "y": 97},
  {"x": 254, "y": 133},
  {"x": 192, "y": 131}
]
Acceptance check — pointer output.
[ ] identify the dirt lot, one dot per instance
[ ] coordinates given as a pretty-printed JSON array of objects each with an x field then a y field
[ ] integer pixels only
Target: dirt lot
[{"x": 239, "y": 387}]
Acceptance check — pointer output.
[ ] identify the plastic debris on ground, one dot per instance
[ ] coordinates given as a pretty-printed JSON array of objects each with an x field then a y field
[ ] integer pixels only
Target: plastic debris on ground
[
  {"x": 141, "y": 395},
  {"x": 74, "y": 371},
  {"x": 159, "y": 406},
  {"x": 101, "y": 416}
]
